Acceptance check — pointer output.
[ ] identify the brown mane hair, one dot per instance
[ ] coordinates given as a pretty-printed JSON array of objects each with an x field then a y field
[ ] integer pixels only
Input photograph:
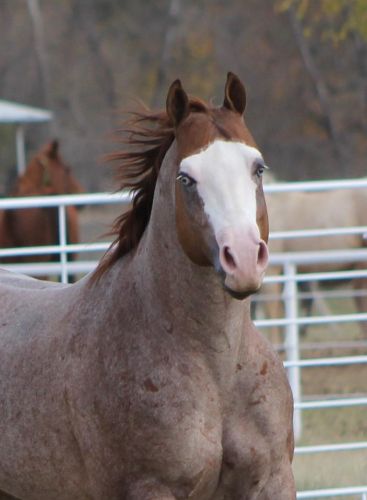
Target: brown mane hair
[{"x": 150, "y": 135}]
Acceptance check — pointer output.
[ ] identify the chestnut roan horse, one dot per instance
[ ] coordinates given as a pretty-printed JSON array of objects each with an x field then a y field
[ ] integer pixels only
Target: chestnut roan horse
[
  {"x": 147, "y": 380},
  {"x": 46, "y": 174}
]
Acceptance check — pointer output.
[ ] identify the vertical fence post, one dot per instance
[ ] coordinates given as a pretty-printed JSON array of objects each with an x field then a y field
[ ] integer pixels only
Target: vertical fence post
[
  {"x": 62, "y": 242},
  {"x": 292, "y": 340},
  {"x": 20, "y": 149}
]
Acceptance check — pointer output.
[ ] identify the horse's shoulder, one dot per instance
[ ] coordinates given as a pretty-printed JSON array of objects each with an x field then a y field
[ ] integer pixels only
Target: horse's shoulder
[
  {"x": 258, "y": 343},
  {"x": 265, "y": 365}
]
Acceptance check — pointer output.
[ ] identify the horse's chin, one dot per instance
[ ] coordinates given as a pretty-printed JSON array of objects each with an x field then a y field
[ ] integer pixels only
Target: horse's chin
[
  {"x": 241, "y": 291},
  {"x": 239, "y": 294},
  {"x": 236, "y": 294}
]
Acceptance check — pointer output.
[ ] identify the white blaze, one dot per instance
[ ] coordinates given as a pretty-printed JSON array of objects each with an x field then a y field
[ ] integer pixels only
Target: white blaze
[{"x": 224, "y": 173}]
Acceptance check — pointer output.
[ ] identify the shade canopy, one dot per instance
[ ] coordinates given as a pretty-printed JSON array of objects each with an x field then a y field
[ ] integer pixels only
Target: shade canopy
[
  {"x": 11, "y": 112},
  {"x": 19, "y": 114}
]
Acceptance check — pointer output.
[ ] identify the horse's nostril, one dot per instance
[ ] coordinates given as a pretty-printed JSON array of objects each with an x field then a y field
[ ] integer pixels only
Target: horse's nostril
[
  {"x": 228, "y": 257},
  {"x": 262, "y": 256}
]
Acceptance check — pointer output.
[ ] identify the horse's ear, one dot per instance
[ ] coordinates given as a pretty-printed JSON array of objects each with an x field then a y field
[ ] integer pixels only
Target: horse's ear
[
  {"x": 177, "y": 104},
  {"x": 52, "y": 149},
  {"x": 234, "y": 94}
]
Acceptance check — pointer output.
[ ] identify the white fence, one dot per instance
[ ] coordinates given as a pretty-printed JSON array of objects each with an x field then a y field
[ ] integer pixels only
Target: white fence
[
  {"x": 62, "y": 268},
  {"x": 290, "y": 322}
]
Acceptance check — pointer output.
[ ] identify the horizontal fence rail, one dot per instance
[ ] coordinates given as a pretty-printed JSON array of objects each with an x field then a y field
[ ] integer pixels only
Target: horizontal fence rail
[
  {"x": 313, "y": 233},
  {"x": 324, "y": 448},
  {"x": 67, "y": 199},
  {"x": 341, "y": 361},
  {"x": 326, "y": 276},
  {"x": 312, "y": 320},
  {"x": 335, "y": 492},
  {"x": 313, "y": 186},
  {"x": 48, "y": 249},
  {"x": 289, "y": 279}
]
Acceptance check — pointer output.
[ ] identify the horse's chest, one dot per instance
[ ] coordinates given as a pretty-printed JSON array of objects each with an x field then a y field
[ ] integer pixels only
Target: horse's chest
[
  {"x": 246, "y": 459},
  {"x": 207, "y": 443},
  {"x": 255, "y": 432},
  {"x": 216, "y": 455},
  {"x": 223, "y": 457}
]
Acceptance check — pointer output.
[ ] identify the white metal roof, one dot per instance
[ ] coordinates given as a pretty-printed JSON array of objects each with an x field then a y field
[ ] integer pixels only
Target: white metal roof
[{"x": 11, "y": 112}]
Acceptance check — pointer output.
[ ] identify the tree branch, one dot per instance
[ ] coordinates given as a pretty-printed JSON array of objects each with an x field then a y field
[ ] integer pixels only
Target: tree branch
[
  {"x": 168, "y": 43},
  {"x": 320, "y": 87}
]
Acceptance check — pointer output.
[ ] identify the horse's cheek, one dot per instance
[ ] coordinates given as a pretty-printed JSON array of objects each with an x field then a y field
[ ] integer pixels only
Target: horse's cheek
[{"x": 189, "y": 224}]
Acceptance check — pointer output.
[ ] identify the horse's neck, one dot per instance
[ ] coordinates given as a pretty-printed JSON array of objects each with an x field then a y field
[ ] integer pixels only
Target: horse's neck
[{"x": 185, "y": 294}]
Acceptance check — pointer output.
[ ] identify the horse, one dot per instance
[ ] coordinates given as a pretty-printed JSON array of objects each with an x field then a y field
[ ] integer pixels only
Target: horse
[
  {"x": 46, "y": 174},
  {"x": 146, "y": 379},
  {"x": 321, "y": 210}
]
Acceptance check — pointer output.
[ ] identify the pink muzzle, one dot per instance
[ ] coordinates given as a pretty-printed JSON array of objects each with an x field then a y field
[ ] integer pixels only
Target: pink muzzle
[{"x": 243, "y": 257}]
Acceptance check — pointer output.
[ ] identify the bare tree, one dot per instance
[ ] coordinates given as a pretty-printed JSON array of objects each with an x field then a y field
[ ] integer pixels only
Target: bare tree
[
  {"x": 318, "y": 81},
  {"x": 35, "y": 16},
  {"x": 86, "y": 19},
  {"x": 361, "y": 56},
  {"x": 173, "y": 19}
]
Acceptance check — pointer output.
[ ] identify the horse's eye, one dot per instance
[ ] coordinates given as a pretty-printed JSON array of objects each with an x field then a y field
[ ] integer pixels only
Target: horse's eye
[
  {"x": 186, "y": 180},
  {"x": 260, "y": 169}
]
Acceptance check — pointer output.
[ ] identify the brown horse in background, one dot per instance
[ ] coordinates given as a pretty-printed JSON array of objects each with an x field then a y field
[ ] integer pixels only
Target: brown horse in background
[
  {"x": 45, "y": 175},
  {"x": 147, "y": 380}
]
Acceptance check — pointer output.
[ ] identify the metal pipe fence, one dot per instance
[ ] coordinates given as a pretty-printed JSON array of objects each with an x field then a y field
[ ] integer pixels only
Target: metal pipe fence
[
  {"x": 292, "y": 322},
  {"x": 290, "y": 279},
  {"x": 60, "y": 202}
]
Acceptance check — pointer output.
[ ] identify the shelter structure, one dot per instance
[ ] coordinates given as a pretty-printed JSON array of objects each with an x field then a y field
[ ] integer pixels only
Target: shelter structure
[{"x": 19, "y": 115}]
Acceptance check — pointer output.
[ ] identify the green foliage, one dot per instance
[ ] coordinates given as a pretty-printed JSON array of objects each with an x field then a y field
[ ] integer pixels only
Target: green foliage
[{"x": 335, "y": 19}]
